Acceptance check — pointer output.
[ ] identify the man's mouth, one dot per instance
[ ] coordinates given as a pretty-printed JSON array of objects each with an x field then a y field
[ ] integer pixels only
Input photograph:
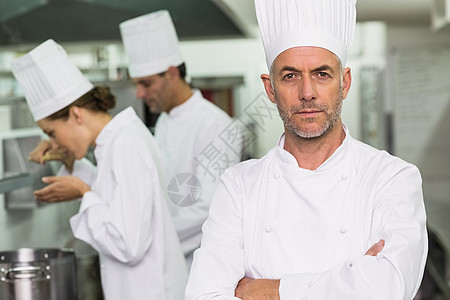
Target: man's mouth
[{"x": 309, "y": 113}]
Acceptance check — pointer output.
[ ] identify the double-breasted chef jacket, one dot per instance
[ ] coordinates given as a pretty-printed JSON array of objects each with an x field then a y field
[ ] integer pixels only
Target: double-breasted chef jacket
[
  {"x": 183, "y": 134},
  {"x": 271, "y": 219},
  {"x": 125, "y": 215}
]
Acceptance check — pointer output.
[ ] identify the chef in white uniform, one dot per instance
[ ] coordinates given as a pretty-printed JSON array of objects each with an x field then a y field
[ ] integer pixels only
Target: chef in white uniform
[
  {"x": 321, "y": 215},
  {"x": 123, "y": 212},
  {"x": 189, "y": 130}
]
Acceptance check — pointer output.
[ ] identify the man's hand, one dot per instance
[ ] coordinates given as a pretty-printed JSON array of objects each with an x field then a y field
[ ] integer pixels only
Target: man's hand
[
  {"x": 258, "y": 289},
  {"x": 376, "y": 248},
  {"x": 61, "y": 188}
]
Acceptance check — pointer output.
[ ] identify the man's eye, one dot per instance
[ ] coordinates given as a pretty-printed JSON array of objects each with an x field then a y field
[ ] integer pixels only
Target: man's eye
[
  {"x": 323, "y": 74},
  {"x": 145, "y": 84},
  {"x": 289, "y": 76}
]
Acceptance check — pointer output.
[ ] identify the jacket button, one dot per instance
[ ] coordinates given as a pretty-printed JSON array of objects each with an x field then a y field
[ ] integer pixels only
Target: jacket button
[
  {"x": 269, "y": 229},
  {"x": 344, "y": 177},
  {"x": 276, "y": 176},
  {"x": 343, "y": 230}
]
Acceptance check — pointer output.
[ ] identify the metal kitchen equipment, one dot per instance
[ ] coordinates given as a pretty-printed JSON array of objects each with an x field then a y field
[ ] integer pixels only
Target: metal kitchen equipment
[
  {"x": 88, "y": 270},
  {"x": 19, "y": 177},
  {"x": 89, "y": 282},
  {"x": 35, "y": 274}
]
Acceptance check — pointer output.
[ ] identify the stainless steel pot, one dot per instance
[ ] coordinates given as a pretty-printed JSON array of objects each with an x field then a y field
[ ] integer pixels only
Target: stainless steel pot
[
  {"x": 89, "y": 282},
  {"x": 88, "y": 270},
  {"x": 35, "y": 274}
]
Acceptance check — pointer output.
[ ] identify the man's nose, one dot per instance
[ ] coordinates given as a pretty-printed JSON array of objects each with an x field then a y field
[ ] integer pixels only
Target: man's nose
[
  {"x": 307, "y": 89},
  {"x": 140, "y": 92}
]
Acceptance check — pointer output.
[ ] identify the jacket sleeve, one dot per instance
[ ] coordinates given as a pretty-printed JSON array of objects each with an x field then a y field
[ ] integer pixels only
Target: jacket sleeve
[
  {"x": 122, "y": 226},
  {"x": 219, "y": 264},
  {"x": 396, "y": 272}
]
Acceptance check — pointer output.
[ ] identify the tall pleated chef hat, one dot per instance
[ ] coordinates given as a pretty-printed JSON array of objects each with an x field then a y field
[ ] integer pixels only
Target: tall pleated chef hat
[
  {"x": 285, "y": 24},
  {"x": 49, "y": 79},
  {"x": 151, "y": 44}
]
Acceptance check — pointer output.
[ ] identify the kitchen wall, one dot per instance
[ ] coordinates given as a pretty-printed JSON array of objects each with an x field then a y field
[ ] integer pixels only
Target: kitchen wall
[
  {"x": 418, "y": 98},
  {"x": 418, "y": 95}
]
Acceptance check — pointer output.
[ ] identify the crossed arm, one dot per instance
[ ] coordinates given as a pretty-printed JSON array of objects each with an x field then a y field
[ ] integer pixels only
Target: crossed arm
[{"x": 268, "y": 289}]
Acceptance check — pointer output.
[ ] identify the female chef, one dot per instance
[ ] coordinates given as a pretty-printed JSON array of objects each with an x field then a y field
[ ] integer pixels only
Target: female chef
[{"x": 123, "y": 212}]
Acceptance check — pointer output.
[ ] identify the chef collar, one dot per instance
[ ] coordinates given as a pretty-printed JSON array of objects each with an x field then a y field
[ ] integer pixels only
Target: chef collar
[
  {"x": 110, "y": 130},
  {"x": 180, "y": 109},
  {"x": 335, "y": 158}
]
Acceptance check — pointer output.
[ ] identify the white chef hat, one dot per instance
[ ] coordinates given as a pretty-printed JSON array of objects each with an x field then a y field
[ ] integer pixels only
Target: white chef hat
[
  {"x": 285, "y": 24},
  {"x": 151, "y": 44},
  {"x": 49, "y": 79}
]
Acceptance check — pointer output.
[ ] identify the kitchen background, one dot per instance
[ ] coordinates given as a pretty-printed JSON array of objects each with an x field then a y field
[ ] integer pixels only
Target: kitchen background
[{"x": 399, "y": 101}]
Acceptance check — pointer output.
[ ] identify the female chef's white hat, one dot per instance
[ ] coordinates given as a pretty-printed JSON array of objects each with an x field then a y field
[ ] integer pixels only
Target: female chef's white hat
[
  {"x": 285, "y": 24},
  {"x": 151, "y": 44},
  {"x": 49, "y": 79}
]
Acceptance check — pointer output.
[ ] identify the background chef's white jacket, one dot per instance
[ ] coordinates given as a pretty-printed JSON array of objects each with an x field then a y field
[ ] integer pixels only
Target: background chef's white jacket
[
  {"x": 189, "y": 136},
  {"x": 271, "y": 219},
  {"x": 125, "y": 216}
]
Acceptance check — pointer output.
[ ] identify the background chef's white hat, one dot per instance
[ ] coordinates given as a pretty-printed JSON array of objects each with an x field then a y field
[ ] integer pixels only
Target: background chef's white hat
[
  {"x": 285, "y": 24},
  {"x": 151, "y": 44},
  {"x": 49, "y": 79}
]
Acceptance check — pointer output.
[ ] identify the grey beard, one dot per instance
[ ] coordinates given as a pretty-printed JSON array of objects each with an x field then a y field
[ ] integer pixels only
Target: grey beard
[{"x": 333, "y": 116}]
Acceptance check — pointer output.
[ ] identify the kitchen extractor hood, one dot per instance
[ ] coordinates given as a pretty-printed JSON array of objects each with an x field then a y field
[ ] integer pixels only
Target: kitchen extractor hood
[
  {"x": 440, "y": 15},
  {"x": 33, "y": 21}
]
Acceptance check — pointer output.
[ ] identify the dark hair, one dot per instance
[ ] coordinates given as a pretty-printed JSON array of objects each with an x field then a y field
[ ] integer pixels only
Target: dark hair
[
  {"x": 99, "y": 99},
  {"x": 181, "y": 69}
]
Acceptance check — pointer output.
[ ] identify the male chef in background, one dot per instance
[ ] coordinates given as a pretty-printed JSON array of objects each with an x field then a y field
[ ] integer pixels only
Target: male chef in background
[
  {"x": 321, "y": 215},
  {"x": 190, "y": 130}
]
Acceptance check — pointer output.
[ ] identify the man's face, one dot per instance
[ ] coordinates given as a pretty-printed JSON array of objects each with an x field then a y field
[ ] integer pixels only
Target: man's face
[
  {"x": 308, "y": 86},
  {"x": 155, "y": 91}
]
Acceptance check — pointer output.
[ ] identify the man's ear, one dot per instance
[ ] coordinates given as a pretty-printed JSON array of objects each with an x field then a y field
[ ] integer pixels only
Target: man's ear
[
  {"x": 346, "y": 82},
  {"x": 268, "y": 87},
  {"x": 76, "y": 113},
  {"x": 173, "y": 72}
]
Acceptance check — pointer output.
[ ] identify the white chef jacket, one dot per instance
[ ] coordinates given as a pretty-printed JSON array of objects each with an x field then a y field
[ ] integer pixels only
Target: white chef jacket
[
  {"x": 190, "y": 136},
  {"x": 125, "y": 216},
  {"x": 271, "y": 219}
]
